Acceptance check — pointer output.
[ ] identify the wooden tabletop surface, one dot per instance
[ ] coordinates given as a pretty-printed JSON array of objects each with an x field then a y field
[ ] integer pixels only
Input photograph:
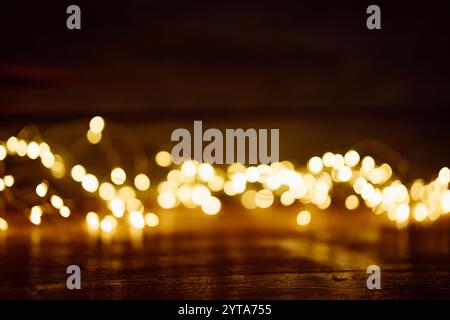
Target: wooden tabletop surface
[{"x": 238, "y": 255}]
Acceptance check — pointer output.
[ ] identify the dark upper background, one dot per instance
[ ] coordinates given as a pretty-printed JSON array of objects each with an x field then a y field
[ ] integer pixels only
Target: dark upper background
[{"x": 307, "y": 61}]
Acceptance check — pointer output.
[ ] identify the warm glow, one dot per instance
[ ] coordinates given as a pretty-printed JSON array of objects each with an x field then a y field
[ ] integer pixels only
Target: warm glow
[
  {"x": 117, "y": 207},
  {"x": 163, "y": 159},
  {"x": 56, "y": 202},
  {"x": 3, "y": 225},
  {"x": 35, "y": 215},
  {"x": 211, "y": 206},
  {"x": 90, "y": 183},
  {"x": 142, "y": 182},
  {"x": 78, "y": 172},
  {"x": 304, "y": 218},
  {"x": 107, "y": 191},
  {"x": 94, "y": 137},
  {"x": 264, "y": 198},
  {"x": 137, "y": 220},
  {"x": 315, "y": 165},
  {"x": 41, "y": 189},
  {"x": 118, "y": 176},
  {"x": 352, "y": 202},
  {"x": 64, "y": 211},
  {"x": 151, "y": 219},
  {"x": 97, "y": 124},
  {"x": 92, "y": 221},
  {"x": 166, "y": 200}
]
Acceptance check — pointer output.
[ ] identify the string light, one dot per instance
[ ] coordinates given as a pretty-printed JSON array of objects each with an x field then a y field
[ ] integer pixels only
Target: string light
[{"x": 202, "y": 185}]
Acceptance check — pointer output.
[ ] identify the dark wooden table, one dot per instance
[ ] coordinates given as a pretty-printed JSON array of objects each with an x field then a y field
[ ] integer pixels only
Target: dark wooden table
[{"x": 235, "y": 255}]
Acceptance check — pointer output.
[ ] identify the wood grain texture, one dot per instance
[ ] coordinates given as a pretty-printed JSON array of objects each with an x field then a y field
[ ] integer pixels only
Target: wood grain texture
[{"x": 228, "y": 259}]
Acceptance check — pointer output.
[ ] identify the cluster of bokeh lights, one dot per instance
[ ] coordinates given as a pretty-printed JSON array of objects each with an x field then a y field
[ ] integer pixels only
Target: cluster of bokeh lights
[{"x": 203, "y": 186}]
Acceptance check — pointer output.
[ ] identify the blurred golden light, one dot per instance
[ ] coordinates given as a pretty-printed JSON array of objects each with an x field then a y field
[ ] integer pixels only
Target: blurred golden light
[
  {"x": 445, "y": 201},
  {"x": 93, "y": 137},
  {"x": 315, "y": 165},
  {"x": 33, "y": 150},
  {"x": 92, "y": 221},
  {"x": 107, "y": 191},
  {"x": 35, "y": 215},
  {"x": 2, "y": 152},
  {"x": 216, "y": 183},
  {"x": 163, "y": 159},
  {"x": 108, "y": 223},
  {"x": 444, "y": 176},
  {"x": 21, "y": 148},
  {"x": 126, "y": 193},
  {"x": 118, "y": 176},
  {"x": 43, "y": 148},
  {"x": 252, "y": 174},
  {"x": 137, "y": 220},
  {"x": 367, "y": 164},
  {"x": 338, "y": 161},
  {"x": 135, "y": 205},
  {"x": 238, "y": 182},
  {"x": 151, "y": 219},
  {"x": 402, "y": 212},
  {"x": 328, "y": 159},
  {"x": 211, "y": 206},
  {"x": 352, "y": 202},
  {"x": 2, "y": 184},
  {"x": 56, "y": 202},
  {"x": 351, "y": 158},
  {"x": 48, "y": 159},
  {"x": 142, "y": 182},
  {"x": 78, "y": 172},
  {"x": 200, "y": 194},
  {"x": 184, "y": 193},
  {"x": 41, "y": 189},
  {"x": 3, "y": 225},
  {"x": 420, "y": 212},
  {"x": 205, "y": 171},
  {"x": 188, "y": 169},
  {"x": 58, "y": 169},
  {"x": 89, "y": 183},
  {"x": 117, "y": 207},
  {"x": 287, "y": 198},
  {"x": 8, "y": 180},
  {"x": 97, "y": 124},
  {"x": 166, "y": 200},
  {"x": 304, "y": 218},
  {"x": 264, "y": 198},
  {"x": 11, "y": 144},
  {"x": 64, "y": 211},
  {"x": 248, "y": 199},
  {"x": 344, "y": 174}
]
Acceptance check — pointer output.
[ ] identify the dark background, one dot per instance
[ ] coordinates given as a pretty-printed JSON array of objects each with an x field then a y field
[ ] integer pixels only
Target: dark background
[{"x": 312, "y": 69}]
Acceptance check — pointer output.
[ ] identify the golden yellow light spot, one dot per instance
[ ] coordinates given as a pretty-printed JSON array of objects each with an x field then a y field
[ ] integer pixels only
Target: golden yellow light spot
[
  {"x": 3, "y": 153},
  {"x": 151, "y": 219},
  {"x": 107, "y": 191},
  {"x": 93, "y": 137},
  {"x": 41, "y": 189},
  {"x": 9, "y": 181},
  {"x": 188, "y": 169},
  {"x": 444, "y": 176},
  {"x": 352, "y": 202},
  {"x": 211, "y": 206},
  {"x": 48, "y": 159},
  {"x": 64, "y": 212},
  {"x": 97, "y": 124},
  {"x": 315, "y": 165},
  {"x": 117, "y": 207},
  {"x": 3, "y": 225},
  {"x": 142, "y": 182},
  {"x": 92, "y": 221},
  {"x": 90, "y": 183},
  {"x": 264, "y": 198},
  {"x": 200, "y": 194},
  {"x": 303, "y": 218},
  {"x": 11, "y": 144},
  {"x": 56, "y": 201},
  {"x": 351, "y": 158},
  {"x": 21, "y": 148},
  {"x": 238, "y": 182},
  {"x": 126, "y": 193},
  {"x": 252, "y": 174},
  {"x": 118, "y": 176},
  {"x": 344, "y": 174},
  {"x": 184, "y": 193},
  {"x": 216, "y": 183},
  {"x": 444, "y": 201},
  {"x": 287, "y": 198},
  {"x": 108, "y": 223},
  {"x": 2, "y": 184},
  {"x": 163, "y": 159},
  {"x": 205, "y": 172},
  {"x": 58, "y": 168},
  {"x": 402, "y": 212},
  {"x": 367, "y": 164},
  {"x": 33, "y": 150},
  {"x": 43, "y": 148},
  {"x": 35, "y": 215},
  {"x": 78, "y": 172},
  {"x": 166, "y": 200},
  {"x": 135, "y": 205},
  {"x": 137, "y": 220},
  {"x": 328, "y": 159},
  {"x": 420, "y": 212},
  {"x": 248, "y": 199}
]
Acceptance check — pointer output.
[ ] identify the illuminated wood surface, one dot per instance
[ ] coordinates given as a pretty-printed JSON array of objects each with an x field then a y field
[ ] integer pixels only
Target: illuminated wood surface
[{"x": 235, "y": 256}]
